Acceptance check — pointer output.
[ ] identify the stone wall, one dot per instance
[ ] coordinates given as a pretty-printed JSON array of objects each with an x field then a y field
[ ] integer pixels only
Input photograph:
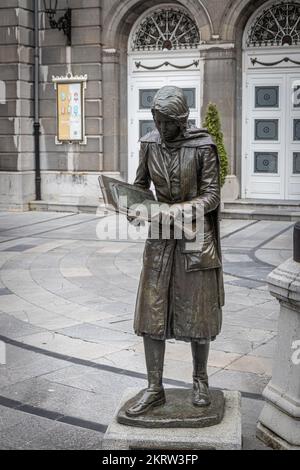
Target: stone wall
[
  {"x": 69, "y": 170},
  {"x": 16, "y": 104}
]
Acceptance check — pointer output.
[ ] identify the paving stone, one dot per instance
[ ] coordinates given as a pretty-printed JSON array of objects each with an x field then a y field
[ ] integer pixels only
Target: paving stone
[
  {"x": 42, "y": 318},
  {"x": 131, "y": 360},
  {"x": 5, "y": 291},
  {"x": 75, "y": 347},
  {"x": 255, "y": 234},
  {"x": 30, "y": 427},
  {"x": 221, "y": 359},
  {"x": 19, "y": 248},
  {"x": 95, "y": 380},
  {"x": 89, "y": 315},
  {"x": 96, "y": 334},
  {"x": 236, "y": 257},
  {"x": 112, "y": 307},
  {"x": 259, "y": 316},
  {"x": 236, "y": 380},
  {"x": 248, "y": 270},
  {"x": 66, "y": 222},
  {"x": 241, "y": 340},
  {"x": 255, "y": 364},
  {"x": 45, "y": 246},
  {"x": 12, "y": 439},
  {"x": 181, "y": 351},
  {"x": 13, "y": 328},
  {"x": 75, "y": 272},
  {"x": 228, "y": 226},
  {"x": 230, "y": 306},
  {"x": 12, "y": 302},
  {"x": 251, "y": 284},
  {"x": 68, "y": 398},
  {"x": 56, "y": 322},
  {"x": 17, "y": 220},
  {"x": 266, "y": 349},
  {"x": 251, "y": 410},
  {"x": 284, "y": 241},
  {"x": 274, "y": 257},
  {"x": 22, "y": 364},
  {"x": 66, "y": 437},
  {"x": 114, "y": 323},
  {"x": 9, "y": 417}
]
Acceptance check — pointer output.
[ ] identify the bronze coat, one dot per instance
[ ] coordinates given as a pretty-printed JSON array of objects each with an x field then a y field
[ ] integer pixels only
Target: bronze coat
[{"x": 181, "y": 292}]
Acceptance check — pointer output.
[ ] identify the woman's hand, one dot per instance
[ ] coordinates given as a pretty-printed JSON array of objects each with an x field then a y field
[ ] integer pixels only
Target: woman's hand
[
  {"x": 135, "y": 221},
  {"x": 138, "y": 215}
]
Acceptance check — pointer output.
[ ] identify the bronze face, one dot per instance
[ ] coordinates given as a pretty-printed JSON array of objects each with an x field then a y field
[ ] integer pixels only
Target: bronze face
[{"x": 168, "y": 128}]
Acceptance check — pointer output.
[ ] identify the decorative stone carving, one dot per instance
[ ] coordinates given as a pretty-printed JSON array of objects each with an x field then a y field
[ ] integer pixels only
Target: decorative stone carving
[
  {"x": 166, "y": 28},
  {"x": 278, "y": 25}
]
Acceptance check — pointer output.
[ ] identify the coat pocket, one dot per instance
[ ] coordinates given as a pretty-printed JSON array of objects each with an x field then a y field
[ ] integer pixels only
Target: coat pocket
[
  {"x": 153, "y": 254},
  {"x": 207, "y": 258}
]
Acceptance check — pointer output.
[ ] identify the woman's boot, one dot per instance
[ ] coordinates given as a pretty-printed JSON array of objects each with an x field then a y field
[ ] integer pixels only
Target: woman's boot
[
  {"x": 154, "y": 395},
  {"x": 201, "y": 395}
]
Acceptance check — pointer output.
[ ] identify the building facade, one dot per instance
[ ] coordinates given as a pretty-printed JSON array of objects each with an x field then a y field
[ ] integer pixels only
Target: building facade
[{"x": 243, "y": 55}]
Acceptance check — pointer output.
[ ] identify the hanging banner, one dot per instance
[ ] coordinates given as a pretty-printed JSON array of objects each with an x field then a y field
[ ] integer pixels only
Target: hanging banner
[{"x": 70, "y": 108}]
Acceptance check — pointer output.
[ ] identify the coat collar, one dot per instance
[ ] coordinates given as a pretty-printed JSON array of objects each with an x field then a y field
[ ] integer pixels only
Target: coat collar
[{"x": 193, "y": 138}]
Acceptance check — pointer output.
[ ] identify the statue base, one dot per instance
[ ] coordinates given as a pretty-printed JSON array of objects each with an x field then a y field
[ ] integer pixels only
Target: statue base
[
  {"x": 227, "y": 435},
  {"x": 272, "y": 440},
  {"x": 177, "y": 412}
]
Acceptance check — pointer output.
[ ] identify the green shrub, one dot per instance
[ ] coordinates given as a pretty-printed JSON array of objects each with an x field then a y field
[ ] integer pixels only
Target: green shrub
[{"x": 212, "y": 123}]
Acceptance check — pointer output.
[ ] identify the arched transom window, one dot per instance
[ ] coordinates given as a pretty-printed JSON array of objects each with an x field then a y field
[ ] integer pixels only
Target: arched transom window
[
  {"x": 278, "y": 25},
  {"x": 166, "y": 28}
]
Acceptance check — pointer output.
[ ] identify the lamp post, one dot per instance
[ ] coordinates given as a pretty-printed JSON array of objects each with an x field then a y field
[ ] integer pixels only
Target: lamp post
[
  {"x": 63, "y": 23},
  {"x": 36, "y": 123}
]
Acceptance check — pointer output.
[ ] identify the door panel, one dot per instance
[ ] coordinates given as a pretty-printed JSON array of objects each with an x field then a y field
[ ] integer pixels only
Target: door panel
[
  {"x": 141, "y": 92},
  {"x": 293, "y": 138},
  {"x": 272, "y": 136},
  {"x": 140, "y": 98},
  {"x": 263, "y": 134}
]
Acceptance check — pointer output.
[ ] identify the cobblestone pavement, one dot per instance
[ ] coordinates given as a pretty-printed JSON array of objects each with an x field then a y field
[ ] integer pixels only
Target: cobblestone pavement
[{"x": 66, "y": 308}]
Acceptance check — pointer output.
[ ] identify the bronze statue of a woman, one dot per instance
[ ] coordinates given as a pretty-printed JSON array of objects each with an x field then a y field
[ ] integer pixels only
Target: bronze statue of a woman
[{"x": 181, "y": 290}]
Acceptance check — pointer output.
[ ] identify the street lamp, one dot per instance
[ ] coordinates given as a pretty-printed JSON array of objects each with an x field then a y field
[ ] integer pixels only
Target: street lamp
[{"x": 63, "y": 23}]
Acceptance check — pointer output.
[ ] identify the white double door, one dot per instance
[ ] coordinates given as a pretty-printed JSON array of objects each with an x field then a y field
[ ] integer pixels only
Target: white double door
[
  {"x": 271, "y": 136},
  {"x": 141, "y": 92}
]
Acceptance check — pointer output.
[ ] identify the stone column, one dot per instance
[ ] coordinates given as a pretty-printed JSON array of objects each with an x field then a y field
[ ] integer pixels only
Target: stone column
[
  {"x": 219, "y": 87},
  {"x": 279, "y": 422},
  {"x": 111, "y": 103}
]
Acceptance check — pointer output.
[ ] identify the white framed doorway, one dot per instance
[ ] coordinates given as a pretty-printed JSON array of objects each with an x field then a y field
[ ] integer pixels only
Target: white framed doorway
[
  {"x": 272, "y": 135},
  {"x": 271, "y": 103},
  {"x": 140, "y": 97},
  {"x": 163, "y": 50}
]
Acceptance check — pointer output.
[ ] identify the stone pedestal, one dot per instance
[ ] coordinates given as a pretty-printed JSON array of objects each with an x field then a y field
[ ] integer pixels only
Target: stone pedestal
[
  {"x": 177, "y": 412},
  {"x": 279, "y": 422},
  {"x": 224, "y": 436}
]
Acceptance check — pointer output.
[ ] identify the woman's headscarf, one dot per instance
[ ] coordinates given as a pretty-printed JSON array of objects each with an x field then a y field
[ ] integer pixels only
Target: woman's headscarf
[{"x": 171, "y": 102}]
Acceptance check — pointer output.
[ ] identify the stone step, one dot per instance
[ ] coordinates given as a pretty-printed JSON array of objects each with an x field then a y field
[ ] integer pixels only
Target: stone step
[
  {"x": 62, "y": 207},
  {"x": 263, "y": 204},
  {"x": 262, "y": 209},
  {"x": 243, "y": 211},
  {"x": 261, "y": 214}
]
